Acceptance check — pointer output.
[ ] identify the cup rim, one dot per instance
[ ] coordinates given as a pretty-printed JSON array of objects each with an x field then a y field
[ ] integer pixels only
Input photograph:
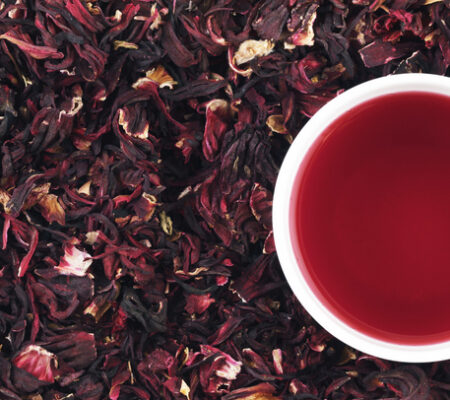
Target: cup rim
[{"x": 299, "y": 149}]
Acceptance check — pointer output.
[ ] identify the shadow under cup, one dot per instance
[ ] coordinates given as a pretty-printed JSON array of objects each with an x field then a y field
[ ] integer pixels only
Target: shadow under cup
[{"x": 366, "y": 238}]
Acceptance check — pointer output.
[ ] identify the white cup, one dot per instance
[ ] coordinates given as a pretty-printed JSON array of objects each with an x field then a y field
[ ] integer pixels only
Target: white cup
[{"x": 281, "y": 216}]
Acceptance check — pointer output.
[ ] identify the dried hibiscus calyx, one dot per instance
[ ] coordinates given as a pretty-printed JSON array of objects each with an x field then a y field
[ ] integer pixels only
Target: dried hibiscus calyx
[
  {"x": 301, "y": 24},
  {"x": 34, "y": 367},
  {"x": 75, "y": 349},
  {"x": 217, "y": 371}
]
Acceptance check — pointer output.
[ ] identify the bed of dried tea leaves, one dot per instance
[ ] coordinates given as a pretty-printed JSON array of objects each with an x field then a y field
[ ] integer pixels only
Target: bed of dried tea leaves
[{"x": 140, "y": 144}]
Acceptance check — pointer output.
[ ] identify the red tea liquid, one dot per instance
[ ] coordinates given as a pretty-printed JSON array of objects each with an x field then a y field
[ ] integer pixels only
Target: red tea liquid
[{"x": 372, "y": 217}]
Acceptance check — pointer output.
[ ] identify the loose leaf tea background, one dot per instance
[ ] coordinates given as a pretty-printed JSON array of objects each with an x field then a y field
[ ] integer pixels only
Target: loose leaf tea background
[{"x": 140, "y": 144}]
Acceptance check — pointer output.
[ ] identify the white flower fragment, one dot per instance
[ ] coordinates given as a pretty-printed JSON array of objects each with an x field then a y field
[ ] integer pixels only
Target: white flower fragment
[
  {"x": 250, "y": 49},
  {"x": 75, "y": 262}
]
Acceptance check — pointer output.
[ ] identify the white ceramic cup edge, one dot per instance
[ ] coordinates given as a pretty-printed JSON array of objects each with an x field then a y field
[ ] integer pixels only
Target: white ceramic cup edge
[{"x": 281, "y": 207}]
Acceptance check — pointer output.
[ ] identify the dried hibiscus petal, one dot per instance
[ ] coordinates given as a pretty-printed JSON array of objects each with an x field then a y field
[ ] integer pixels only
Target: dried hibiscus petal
[
  {"x": 37, "y": 362},
  {"x": 216, "y": 376},
  {"x": 261, "y": 391},
  {"x": 178, "y": 53},
  {"x": 270, "y": 19},
  {"x": 301, "y": 24},
  {"x": 76, "y": 349},
  {"x": 74, "y": 262},
  {"x": 38, "y": 52},
  {"x": 196, "y": 303},
  {"x": 52, "y": 209},
  {"x": 217, "y": 114},
  {"x": 379, "y": 52}
]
